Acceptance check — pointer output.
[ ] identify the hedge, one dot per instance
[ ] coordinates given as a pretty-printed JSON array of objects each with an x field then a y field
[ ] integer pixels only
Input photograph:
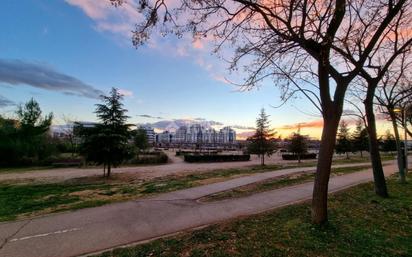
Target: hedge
[
  {"x": 179, "y": 153},
  {"x": 150, "y": 159},
  {"x": 306, "y": 156},
  {"x": 216, "y": 158}
]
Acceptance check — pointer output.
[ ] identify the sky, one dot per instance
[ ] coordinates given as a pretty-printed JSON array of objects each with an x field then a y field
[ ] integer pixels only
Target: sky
[{"x": 65, "y": 53}]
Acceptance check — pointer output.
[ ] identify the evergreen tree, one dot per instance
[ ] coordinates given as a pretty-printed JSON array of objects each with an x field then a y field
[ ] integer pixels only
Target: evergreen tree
[
  {"x": 343, "y": 143},
  {"x": 298, "y": 145},
  {"x": 107, "y": 142},
  {"x": 140, "y": 139},
  {"x": 261, "y": 142},
  {"x": 360, "y": 141},
  {"x": 389, "y": 142}
]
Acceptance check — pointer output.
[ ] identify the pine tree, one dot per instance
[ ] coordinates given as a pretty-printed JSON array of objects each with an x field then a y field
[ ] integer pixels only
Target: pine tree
[
  {"x": 343, "y": 143},
  {"x": 389, "y": 142},
  {"x": 360, "y": 141},
  {"x": 262, "y": 142},
  {"x": 298, "y": 145},
  {"x": 107, "y": 142}
]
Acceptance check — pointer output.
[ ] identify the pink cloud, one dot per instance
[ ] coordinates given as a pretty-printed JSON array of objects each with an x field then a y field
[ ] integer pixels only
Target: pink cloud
[
  {"x": 125, "y": 92},
  {"x": 197, "y": 43},
  {"x": 93, "y": 9}
]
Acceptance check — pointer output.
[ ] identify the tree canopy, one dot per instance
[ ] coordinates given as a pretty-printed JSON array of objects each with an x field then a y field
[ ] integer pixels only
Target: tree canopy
[{"x": 107, "y": 142}]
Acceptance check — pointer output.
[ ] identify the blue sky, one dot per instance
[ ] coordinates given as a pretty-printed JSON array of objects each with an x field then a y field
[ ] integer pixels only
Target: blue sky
[{"x": 86, "y": 43}]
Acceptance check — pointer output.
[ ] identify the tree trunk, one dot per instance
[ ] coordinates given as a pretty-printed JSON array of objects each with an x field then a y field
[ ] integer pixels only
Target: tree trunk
[
  {"x": 400, "y": 157},
  {"x": 378, "y": 175},
  {"x": 320, "y": 189},
  {"x": 361, "y": 153},
  {"x": 262, "y": 160},
  {"x": 347, "y": 155},
  {"x": 109, "y": 168}
]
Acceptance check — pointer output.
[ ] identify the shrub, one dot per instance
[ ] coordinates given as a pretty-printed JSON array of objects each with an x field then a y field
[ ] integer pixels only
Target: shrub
[
  {"x": 179, "y": 153},
  {"x": 152, "y": 158},
  {"x": 306, "y": 156},
  {"x": 216, "y": 158}
]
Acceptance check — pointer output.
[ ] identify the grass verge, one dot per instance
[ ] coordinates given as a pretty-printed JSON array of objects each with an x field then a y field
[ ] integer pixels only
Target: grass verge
[
  {"x": 360, "y": 224},
  {"x": 27, "y": 199},
  {"x": 22, "y": 200},
  {"x": 275, "y": 183}
]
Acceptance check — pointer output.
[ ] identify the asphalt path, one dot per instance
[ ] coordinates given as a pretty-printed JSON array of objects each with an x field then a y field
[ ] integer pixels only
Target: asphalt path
[{"x": 96, "y": 229}]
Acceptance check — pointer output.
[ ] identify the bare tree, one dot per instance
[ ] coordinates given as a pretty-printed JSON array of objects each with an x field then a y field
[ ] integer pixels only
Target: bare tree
[
  {"x": 288, "y": 41},
  {"x": 394, "y": 40},
  {"x": 393, "y": 95},
  {"x": 68, "y": 130}
]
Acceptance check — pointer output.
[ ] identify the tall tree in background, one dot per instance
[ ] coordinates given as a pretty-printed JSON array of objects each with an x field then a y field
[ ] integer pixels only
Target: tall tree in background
[
  {"x": 298, "y": 145},
  {"x": 391, "y": 22},
  {"x": 343, "y": 143},
  {"x": 393, "y": 97},
  {"x": 140, "y": 139},
  {"x": 31, "y": 121},
  {"x": 359, "y": 138},
  {"x": 261, "y": 143},
  {"x": 287, "y": 40},
  {"x": 33, "y": 129},
  {"x": 107, "y": 142},
  {"x": 388, "y": 142}
]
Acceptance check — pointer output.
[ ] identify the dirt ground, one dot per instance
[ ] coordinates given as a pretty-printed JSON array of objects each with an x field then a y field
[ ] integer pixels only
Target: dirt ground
[{"x": 176, "y": 166}]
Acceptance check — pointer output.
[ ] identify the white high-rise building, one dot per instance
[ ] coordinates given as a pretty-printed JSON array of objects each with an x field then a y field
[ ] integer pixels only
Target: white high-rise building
[
  {"x": 150, "y": 134},
  {"x": 198, "y": 134},
  {"x": 180, "y": 135}
]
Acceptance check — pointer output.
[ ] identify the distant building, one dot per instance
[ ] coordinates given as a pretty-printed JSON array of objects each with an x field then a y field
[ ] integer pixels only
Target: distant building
[
  {"x": 165, "y": 137},
  {"x": 180, "y": 135},
  {"x": 150, "y": 134},
  {"x": 197, "y": 134}
]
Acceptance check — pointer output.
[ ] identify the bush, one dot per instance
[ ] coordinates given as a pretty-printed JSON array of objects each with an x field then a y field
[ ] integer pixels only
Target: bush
[
  {"x": 306, "y": 156},
  {"x": 152, "y": 158},
  {"x": 66, "y": 162},
  {"x": 179, "y": 153},
  {"x": 216, "y": 158}
]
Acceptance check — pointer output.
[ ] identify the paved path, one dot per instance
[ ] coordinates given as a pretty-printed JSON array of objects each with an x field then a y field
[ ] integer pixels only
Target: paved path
[{"x": 96, "y": 229}]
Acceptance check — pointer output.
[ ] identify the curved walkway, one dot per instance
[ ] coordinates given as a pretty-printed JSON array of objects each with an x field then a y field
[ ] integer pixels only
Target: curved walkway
[{"x": 96, "y": 229}]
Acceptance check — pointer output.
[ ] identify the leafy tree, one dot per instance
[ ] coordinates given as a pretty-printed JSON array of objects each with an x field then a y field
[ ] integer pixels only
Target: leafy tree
[
  {"x": 140, "y": 139},
  {"x": 107, "y": 142},
  {"x": 32, "y": 130},
  {"x": 360, "y": 141},
  {"x": 343, "y": 143},
  {"x": 298, "y": 145},
  {"x": 9, "y": 152},
  {"x": 25, "y": 141},
  {"x": 32, "y": 124},
  {"x": 261, "y": 143}
]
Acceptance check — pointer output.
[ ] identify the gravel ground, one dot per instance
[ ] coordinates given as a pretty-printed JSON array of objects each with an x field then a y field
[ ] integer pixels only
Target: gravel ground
[{"x": 175, "y": 167}]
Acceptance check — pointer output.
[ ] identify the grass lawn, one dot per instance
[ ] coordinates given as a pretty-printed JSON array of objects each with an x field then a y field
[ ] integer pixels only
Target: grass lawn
[
  {"x": 24, "y": 169},
  {"x": 360, "y": 224},
  {"x": 279, "y": 182},
  {"x": 25, "y": 199},
  {"x": 21, "y": 200}
]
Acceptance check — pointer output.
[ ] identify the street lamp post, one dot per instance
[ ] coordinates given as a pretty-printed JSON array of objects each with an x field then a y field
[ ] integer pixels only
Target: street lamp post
[
  {"x": 405, "y": 109},
  {"x": 401, "y": 155}
]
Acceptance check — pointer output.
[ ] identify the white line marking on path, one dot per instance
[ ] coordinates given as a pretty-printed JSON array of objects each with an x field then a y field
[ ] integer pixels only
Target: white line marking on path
[{"x": 46, "y": 234}]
